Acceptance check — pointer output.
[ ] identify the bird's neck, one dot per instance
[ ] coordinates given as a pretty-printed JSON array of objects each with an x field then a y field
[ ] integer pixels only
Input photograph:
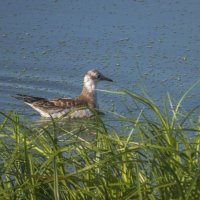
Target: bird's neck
[
  {"x": 88, "y": 92},
  {"x": 89, "y": 86}
]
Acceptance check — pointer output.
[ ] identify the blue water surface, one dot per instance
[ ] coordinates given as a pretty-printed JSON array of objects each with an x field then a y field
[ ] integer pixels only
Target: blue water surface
[{"x": 47, "y": 46}]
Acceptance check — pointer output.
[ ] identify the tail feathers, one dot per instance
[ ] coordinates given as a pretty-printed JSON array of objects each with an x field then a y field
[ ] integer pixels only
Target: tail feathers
[{"x": 28, "y": 99}]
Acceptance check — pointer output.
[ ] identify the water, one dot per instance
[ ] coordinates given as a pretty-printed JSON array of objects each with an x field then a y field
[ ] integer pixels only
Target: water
[{"x": 47, "y": 46}]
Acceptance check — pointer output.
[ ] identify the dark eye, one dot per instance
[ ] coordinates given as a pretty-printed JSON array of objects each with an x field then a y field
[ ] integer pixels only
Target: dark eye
[{"x": 98, "y": 76}]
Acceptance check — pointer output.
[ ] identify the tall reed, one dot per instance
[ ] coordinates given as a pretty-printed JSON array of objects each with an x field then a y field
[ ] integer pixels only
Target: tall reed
[{"x": 155, "y": 156}]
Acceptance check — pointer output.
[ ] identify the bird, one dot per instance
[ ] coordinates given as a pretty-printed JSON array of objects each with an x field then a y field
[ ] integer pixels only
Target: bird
[{"x": 78, "y": 107}]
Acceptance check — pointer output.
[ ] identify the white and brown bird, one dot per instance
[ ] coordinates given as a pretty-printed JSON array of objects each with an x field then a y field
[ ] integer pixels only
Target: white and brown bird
[{"x": 77, "y": 107}]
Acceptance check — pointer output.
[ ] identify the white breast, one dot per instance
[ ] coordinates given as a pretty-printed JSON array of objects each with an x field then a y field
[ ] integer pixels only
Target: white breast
[
  {"x": 81, "y": 113},
  {"x": 73, "y": 114}
]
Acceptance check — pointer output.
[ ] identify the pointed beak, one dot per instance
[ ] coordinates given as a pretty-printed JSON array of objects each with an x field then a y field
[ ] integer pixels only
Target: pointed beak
[{"x": 103, "y": 78}]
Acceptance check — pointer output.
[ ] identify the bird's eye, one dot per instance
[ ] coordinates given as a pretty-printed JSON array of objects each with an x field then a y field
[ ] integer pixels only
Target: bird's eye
[{"x": 98, "y": 76}]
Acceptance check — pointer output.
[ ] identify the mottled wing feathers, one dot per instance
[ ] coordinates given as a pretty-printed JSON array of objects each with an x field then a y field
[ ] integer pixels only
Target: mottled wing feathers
[
  {"x": 63, "y": 102},
  {"x": 56, "y": 107},
  {"x": 52, "y": 105},
  {"x": 28, "y": 99}
]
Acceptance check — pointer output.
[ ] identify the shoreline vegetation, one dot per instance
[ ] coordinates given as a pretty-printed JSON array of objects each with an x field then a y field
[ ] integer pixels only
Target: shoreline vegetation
[{"x": 157, "y": 158}]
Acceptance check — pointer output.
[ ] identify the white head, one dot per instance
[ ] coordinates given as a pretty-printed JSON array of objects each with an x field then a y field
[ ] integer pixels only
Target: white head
[{"x": 91, "y": 78}]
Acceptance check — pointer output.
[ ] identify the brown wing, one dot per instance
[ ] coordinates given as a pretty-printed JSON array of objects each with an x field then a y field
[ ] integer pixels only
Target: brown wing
[
  {"x": 63, "y": 102},
  {"x": 28, "y": 99},
  {"x": 56, "y": 105}
]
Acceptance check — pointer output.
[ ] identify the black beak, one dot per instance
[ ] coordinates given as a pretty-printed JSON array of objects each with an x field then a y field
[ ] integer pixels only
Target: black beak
[{"x": 103, "y": 78}]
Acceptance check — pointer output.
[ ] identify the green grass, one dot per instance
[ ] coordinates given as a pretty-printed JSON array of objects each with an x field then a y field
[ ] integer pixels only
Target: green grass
[{"x": 155, "y": 155}]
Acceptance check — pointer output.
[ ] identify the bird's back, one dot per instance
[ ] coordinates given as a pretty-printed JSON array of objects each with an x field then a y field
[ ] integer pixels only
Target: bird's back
[{"x": 77, "y": 107}]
